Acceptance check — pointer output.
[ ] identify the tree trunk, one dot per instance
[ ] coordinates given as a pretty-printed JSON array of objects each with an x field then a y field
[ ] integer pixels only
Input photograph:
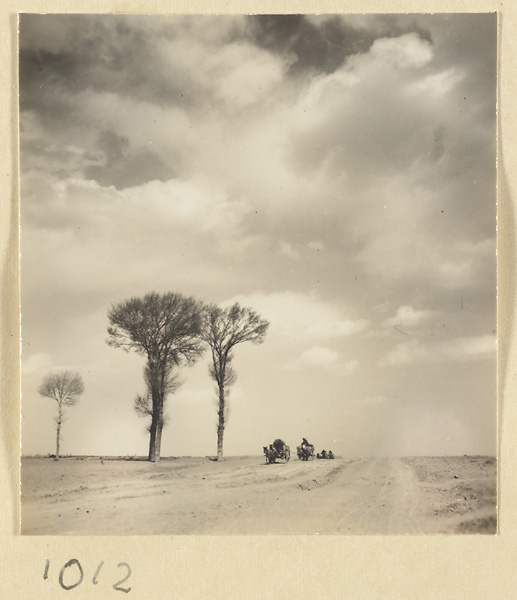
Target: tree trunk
[
  {"x": 157, "y": 417},
  {"x": 220, "y": 434},
  {"x": 152, "y": 438},
  {"x": 58, "y": 432},
  {"x": 220, "y": 424},
  {"x": 158, "y": 441},
  {"x": 155, "y": 440}
]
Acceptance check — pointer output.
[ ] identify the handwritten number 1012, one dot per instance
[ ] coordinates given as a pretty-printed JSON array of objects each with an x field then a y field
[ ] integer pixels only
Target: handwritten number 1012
[{"x": 73, "y": 573}]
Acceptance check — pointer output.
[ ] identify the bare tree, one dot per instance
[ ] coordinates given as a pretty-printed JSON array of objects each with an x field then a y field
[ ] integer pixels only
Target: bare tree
[
  {"x": 224, "y": 328},
  {"x": 65, "y": 388},
  {"x": 143, "y": 403},
  {"x": 165, "y": 329}
]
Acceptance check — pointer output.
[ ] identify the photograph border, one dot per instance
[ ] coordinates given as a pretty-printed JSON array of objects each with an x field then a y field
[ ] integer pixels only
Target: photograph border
[{"x": 243, "y": 567}]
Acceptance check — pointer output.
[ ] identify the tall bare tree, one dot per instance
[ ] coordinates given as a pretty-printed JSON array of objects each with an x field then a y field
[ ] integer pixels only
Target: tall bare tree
[
  {"x": 223, "y": 329},
  {"x": 165, "y": 329},
  {"x": 65, "y": 388},
  {"x": 143, "y": 403}
]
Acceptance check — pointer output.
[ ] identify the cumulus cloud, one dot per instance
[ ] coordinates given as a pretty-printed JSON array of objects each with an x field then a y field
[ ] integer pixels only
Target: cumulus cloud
[
  {"x": 175, "y": 206},
  {"x": 402, "y": 194},
  {"x": 368, "y": 120},
  {"x": 160, "y": 235},
  {"x": 459, "y": 350},
  {"x": 299, "y": 316},
  {"x": 401, "y": 246},
  {"x": 319, "y": 356},
  {"x": 408, "y": 318},
  {"x": 324, "y": 358},
  {"x": 470, "y": 348},
  {"x": 405, "y": 353},
  {"x": 405, "y": 52},
  {"x": 288, "y": 250},
  {"x": 337, "y": 328},
  {"x": 38, "y": 363},
  {"x": 467, "y": 262},
  {"x": 242, "y": 74}
]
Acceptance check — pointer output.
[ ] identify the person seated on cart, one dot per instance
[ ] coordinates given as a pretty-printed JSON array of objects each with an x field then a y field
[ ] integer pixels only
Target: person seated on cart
[
  {"x": 323, "y": 454},
  {"x": 330, "y": 455},
  {"x": 304, "y": 443}
]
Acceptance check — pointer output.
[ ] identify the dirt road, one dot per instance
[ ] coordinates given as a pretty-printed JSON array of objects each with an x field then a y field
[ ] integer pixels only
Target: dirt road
[{"x": 242, "y": 495}]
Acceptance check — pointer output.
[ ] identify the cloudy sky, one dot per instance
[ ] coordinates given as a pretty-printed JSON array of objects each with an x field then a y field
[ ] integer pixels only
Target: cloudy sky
[{"x": 334, "y": 173}]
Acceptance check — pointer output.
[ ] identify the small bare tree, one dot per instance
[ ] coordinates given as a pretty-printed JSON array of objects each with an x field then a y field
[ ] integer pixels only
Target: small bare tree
[
  {"x": 224, "y": 328},
  {"x": 65, "y": 388}
]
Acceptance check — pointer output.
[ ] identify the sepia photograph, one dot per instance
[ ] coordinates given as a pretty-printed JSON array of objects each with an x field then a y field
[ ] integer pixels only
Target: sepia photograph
[{"x": 258, "y": 274}]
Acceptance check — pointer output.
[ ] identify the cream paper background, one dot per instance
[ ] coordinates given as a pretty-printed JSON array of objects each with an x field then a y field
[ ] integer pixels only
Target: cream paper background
[{"x": 249, "y": 567}]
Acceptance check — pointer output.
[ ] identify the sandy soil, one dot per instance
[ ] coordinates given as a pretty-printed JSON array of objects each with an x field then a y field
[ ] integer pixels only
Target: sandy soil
[{"x": 242, "y": 495}]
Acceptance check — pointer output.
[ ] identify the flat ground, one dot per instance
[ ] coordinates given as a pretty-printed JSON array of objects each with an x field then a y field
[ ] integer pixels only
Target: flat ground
[{"x": 242, "y": 495}]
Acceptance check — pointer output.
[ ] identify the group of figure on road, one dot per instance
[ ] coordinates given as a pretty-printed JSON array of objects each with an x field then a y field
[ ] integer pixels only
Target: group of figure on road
[
  {"x": 305, "y": 451},
  {"x": 325, "y": 454}
]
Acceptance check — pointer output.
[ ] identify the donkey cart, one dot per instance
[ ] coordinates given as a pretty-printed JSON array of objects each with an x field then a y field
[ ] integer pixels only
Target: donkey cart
[
  {"x": 305, "y": 452},
  {"x": 277, "y": 450}
]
